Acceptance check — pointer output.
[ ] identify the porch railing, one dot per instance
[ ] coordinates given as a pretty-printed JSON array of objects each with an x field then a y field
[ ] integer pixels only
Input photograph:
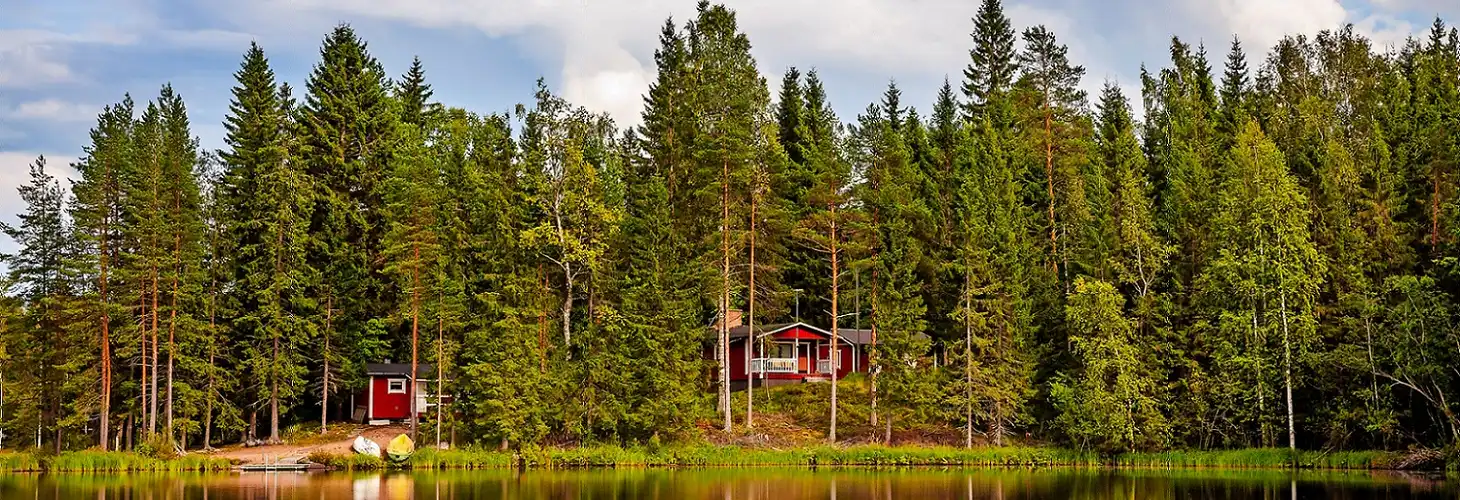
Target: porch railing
[
  {"x": 773, "y": 365},
  {"x": 823, "y": 366}
]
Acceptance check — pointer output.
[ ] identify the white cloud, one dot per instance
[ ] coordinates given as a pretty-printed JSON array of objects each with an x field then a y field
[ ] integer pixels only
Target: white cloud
[
  {"x": 54, "y": 110},
  {"x": 607, "y": 47},
  {"x": 30, "y": 57},
  {"x": 15, "y": 172},
  {"x": 25, "y": 66}
]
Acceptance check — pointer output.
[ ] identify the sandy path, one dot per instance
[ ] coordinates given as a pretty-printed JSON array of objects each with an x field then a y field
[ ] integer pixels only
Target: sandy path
[{"x": 270, "y": 453}]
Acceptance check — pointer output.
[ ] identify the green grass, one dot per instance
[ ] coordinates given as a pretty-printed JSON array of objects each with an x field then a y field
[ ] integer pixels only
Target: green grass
[
  {"x": 348, "y": 462},
  {"x": 118, "y": 461},
  {"x": 730, "y": 456},
  {"x": 1261, "y": 458},
  {"x": 884, "y": 456},
  {"x": 19, "y": 462}
]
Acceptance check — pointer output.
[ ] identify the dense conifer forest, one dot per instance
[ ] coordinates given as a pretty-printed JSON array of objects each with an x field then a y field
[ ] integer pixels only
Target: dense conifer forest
[{"x": 1262, "y": 249}]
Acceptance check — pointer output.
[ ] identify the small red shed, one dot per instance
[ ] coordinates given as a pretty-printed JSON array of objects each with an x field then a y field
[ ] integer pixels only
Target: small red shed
[{"x": 391, "y": 391}]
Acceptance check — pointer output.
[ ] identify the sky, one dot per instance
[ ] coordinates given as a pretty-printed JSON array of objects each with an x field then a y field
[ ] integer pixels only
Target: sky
[{"x": 62, "y": 60}]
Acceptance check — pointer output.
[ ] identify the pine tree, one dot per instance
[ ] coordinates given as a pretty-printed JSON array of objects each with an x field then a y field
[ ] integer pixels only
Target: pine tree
[
  {"x": 890, "y": 194},
  {"x": 97, "y": 213},
  {"x": 997, "y": 260},
  {"x": 731, "y": 105},
  {"x": 184, "y": 228},
  {"x": 347, "y": 137},
  {"x": 993, "y": 67},
  {"x": 825, "y": 228},
  {"x": 1051, "y": 107},
  {"x": 269, "y": 201},
  {"x": 1235, "y": 88},
  {"x": 414, "y": 95},
  {"x": 43, "y": 272},
  {"x": 411, "y": 242}
]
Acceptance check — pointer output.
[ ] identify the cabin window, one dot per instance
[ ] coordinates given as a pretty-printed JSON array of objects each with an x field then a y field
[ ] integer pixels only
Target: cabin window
[
  {"x": 396, "y": 386},
  {"x": 785, "y": 351}
]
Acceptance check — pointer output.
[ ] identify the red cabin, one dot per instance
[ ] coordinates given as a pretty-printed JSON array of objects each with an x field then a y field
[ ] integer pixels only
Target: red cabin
[
  {"x": 391, "y": 390},
  {"x": 792, "y": 353}
]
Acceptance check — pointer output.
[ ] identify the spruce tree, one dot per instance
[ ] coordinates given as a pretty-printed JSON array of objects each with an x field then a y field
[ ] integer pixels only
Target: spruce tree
[
  {"x": 414, "y": 95},
  {"x": 44, "y": 275},
  {"x": 347, "y": 137},
  {"x": 993, "y": 66}
]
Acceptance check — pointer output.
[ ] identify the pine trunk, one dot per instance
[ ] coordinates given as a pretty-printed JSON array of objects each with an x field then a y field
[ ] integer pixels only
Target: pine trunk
[
  {"x": 968, "y": 354},
  {"x": 156, "y": 325},
  {"x": 725, "y": 292},
  {"x": 415, "y": 335},
  {"x": 872, "y": 356},
  {"x": 751, "y": 340},
  {"x": 440, "y": 362},
  {"x": 1049, "y": 178},
  {"x": 106, "y": 351},
  {"x": 835, "y": 291},
  {"x": 171, "y": 353},
  {"x": 274, "y": 365},
  {"x": 324, "y": 386}
]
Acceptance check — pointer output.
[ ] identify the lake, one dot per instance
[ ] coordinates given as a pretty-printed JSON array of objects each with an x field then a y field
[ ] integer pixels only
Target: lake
[{"x": 743, "y": 483}]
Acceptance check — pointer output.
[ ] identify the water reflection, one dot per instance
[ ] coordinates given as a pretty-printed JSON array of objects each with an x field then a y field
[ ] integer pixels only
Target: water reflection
[{"x": 747, "y": 484}]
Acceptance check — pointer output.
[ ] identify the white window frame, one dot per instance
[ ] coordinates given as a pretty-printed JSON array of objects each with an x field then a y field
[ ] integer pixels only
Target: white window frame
[{"x": 390, "y": 386}]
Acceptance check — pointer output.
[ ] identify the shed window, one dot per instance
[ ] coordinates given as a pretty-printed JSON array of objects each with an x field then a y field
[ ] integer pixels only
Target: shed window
[{"x": 396, "y": 386}]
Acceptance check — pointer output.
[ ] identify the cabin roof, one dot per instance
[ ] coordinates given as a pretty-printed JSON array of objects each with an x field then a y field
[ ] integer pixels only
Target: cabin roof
[
  {"x": 850, "y": 335},
  {"x": 400, "y": 369}
]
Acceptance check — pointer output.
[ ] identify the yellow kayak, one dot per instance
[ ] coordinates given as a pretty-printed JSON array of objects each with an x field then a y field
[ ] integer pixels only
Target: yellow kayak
[{"x": 400, "y": 448}]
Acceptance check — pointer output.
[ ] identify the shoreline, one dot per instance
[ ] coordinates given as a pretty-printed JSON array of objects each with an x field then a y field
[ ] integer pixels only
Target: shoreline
[{"x": 712, "y": 456}]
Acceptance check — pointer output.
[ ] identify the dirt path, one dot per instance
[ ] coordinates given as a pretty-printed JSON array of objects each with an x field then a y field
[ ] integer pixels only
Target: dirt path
[{"x": 265, "y": 454}]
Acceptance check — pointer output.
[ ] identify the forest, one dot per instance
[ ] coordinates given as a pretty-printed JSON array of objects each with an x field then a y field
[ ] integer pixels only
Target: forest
[{"x": 1265, "y": 254}]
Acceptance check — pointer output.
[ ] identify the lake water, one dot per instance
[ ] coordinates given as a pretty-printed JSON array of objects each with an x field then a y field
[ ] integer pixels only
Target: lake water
[{"x": 728, "y": 484}]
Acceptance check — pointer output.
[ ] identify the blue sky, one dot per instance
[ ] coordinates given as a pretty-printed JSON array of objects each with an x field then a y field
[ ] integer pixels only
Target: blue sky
[{"x": 62, "y": 60}]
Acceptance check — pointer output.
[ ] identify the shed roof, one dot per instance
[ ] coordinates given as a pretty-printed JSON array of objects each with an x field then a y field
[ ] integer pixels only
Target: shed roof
[{"x": 400, "y": 369}]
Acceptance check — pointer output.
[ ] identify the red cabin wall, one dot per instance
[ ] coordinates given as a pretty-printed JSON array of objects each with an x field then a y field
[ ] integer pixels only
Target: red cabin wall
[
  {"x": 845, "y": 360},
  {"x": 387, "y": 406}
]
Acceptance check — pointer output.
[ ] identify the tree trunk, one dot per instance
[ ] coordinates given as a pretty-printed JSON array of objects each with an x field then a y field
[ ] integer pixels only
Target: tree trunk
[
  {"x": 106, "y": 353},
  {"x": 751, "y": 341},
  {"x": 208, "y": 407},
  {"x": 567, "y": 312},
  {"x": 725, "y": 291},
  {"x": 440, "y": 361},
  {"x": 968, "y": 354},
  {"x": 1288, "y": 369},
  {"x": 415, "y": 336},
  {"x": 324, "y": 386},
  {"x": 872, "y": 357},
  {"x": 171, "y": 354},
  {"x": 274, "y": 392},
  {"x": 274, "y": 365},
  {"x": 835, "y": 291},
  {"x": 1049, "y": 177},
  {"x": 156, "y": 325}
]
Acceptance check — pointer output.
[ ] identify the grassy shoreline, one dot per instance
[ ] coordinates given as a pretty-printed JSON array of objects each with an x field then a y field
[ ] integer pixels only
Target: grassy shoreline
[
  {"x": 732, "y": 456},
  {"x": 872, "y": 456},
  {"x": 108, "y": 461}
]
